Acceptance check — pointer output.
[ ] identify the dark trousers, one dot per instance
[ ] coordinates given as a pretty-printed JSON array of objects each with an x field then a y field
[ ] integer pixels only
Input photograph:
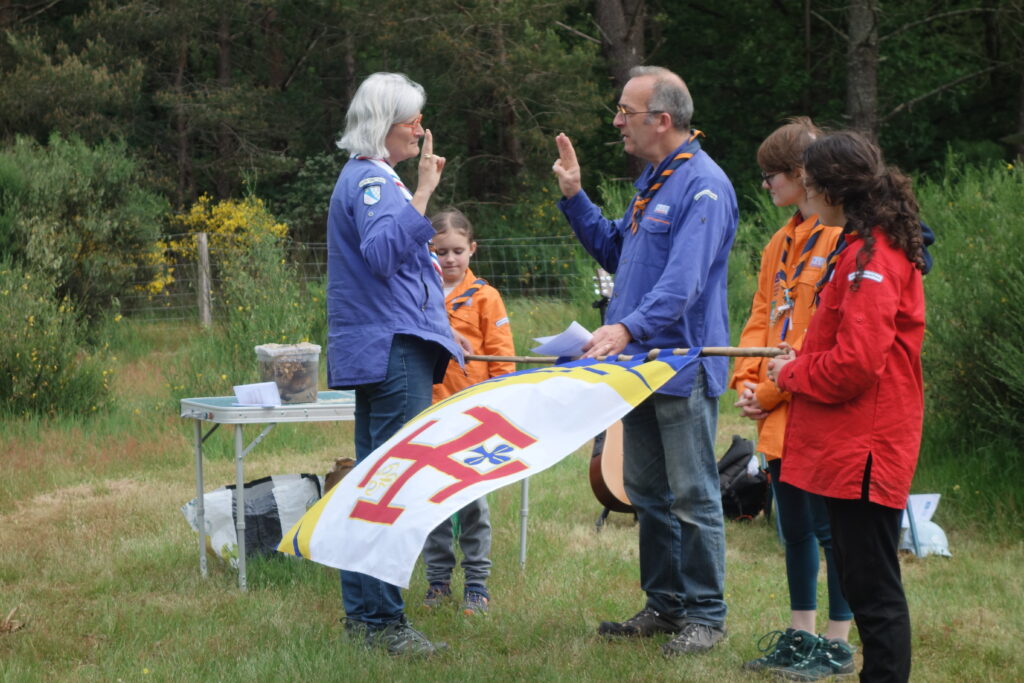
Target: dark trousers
[{"x": 865, "y": 542}]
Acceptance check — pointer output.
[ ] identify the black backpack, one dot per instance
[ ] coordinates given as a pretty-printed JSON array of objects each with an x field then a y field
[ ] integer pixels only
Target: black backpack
[{"x": 744, "y": 495}]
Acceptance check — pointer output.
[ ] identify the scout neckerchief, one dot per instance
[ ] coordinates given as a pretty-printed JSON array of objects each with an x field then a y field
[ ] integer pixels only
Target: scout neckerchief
[
  {"x": 830, "y": 265},
  {"x": 782, "y": 308},
  {"x": 688, "y": 149},
  {"x": 386, "y": 167},
  {"x": 466, "y": 297}
]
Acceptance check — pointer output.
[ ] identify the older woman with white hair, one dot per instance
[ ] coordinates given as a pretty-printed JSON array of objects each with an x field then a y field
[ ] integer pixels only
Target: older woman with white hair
[{"x": 388, "y": 333}]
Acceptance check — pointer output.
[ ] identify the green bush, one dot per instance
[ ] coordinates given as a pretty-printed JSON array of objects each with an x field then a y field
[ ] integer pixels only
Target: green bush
[
  {"x": 79, "y": 217},
  {"x": 972, "y": 359},
  {"x": 43, "y": 367}
]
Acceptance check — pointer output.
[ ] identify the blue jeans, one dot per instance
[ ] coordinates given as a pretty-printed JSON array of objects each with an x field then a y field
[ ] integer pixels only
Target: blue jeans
[
  {"x": 381, "y": 410},
  {"x": 803, "y": 518},
  {"x": 671, "y": 478}
]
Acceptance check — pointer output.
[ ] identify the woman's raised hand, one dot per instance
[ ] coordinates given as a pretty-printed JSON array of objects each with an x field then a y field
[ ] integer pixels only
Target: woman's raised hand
[{"x": 430, "y": 168}]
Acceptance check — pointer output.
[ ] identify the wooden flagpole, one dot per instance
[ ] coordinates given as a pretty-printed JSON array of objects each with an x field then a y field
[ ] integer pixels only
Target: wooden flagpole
[{"x": 734, "y": 351}]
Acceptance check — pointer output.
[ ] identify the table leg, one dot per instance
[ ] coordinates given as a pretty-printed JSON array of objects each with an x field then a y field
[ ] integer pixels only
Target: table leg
[
  {"x": 524, "y": 512},
  {"x": 200, "y": 508},
  {"x": 240, "y": 506}
]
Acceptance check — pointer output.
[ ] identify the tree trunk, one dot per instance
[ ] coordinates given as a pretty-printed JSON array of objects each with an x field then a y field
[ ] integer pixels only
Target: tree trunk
[
  {"x": 862, "y": 67},
  {"x": 1020, "y": 123},
  {"x": 622, "y": 35},
  {"x": 222, "y": 177},
  {"x": 186, "y": 179}
]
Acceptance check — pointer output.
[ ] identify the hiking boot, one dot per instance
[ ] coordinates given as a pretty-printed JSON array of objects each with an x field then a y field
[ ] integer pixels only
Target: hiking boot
[
  {"x": 830, "y": 658},
  {"x": 782, "y": 649},
  {"x": 694, "y": 639},
  {"x": 355, "y": 629},
  {"x": 437, "y": 594},
  {"x": 400, "y": 638},
  {"x": 644, "y": 624},
  {"x": 474, "y": 602}
]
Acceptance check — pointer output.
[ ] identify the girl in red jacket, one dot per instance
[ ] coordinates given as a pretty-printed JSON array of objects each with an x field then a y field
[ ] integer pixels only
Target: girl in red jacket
[{"x": 857, "y": 403}]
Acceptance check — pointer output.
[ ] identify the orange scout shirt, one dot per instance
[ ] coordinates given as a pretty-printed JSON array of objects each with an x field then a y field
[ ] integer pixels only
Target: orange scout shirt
[
  {"x": 482, "y": 318},
  {"x": 783, "y": 305}
]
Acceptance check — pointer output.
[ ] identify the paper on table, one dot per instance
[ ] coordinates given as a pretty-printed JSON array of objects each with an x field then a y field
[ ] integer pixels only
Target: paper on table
[
  {"x": 568, "y": 343},
  {"x": 261, "y": 394}
]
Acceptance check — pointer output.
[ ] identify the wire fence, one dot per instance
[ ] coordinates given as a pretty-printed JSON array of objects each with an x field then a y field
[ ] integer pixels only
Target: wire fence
[{"x": 553, "y": 267}]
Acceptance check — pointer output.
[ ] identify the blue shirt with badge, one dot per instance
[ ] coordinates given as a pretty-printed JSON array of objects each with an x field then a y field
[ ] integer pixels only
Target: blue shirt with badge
[
  {"x": 381, "y": 280},
  {"x": 671, "y": 274}
]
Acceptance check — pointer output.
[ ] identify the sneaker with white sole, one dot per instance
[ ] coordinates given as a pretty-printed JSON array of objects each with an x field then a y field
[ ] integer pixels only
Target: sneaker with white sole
[
  {"x": 782, "y": 649},
  {"x": 832, "y": 658}
]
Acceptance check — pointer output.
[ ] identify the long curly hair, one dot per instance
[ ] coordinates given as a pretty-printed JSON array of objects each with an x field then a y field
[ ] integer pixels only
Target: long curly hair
[{"x": 850, "y": 171}]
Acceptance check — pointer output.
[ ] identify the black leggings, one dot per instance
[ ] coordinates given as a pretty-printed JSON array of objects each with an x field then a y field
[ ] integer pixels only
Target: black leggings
[{"x": 865, "y": 542}]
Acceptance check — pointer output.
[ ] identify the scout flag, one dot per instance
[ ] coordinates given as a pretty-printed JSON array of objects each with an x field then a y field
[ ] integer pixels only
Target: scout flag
[{"x": 489, "y": 435}]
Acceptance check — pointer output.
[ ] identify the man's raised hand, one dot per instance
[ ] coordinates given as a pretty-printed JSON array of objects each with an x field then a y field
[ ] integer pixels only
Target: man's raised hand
[{"x": 566, "y": 167}]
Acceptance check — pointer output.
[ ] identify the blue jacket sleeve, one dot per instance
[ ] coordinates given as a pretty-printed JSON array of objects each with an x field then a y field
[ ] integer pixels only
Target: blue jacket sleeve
[
  {"x": 601, "y": 237},
  {"x": 391, "y": 230}
]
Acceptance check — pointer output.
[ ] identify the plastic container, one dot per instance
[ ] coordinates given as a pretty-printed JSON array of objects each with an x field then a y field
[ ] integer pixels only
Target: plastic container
[{"x": 295, "y": 369}]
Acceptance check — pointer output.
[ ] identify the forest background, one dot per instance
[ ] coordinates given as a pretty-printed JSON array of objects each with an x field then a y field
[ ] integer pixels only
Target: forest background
[{"x": 126, "y": 127}]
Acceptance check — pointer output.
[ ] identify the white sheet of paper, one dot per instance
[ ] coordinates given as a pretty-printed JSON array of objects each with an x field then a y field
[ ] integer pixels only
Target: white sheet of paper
[
  {"x": 923, "y": 506},
  {"x": 568, "y": 343},
  {"x": 261, "y": 394}
]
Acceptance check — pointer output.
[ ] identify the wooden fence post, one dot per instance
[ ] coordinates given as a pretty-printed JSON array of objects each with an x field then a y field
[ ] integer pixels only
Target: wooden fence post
[{"x": 202, "y": 247}]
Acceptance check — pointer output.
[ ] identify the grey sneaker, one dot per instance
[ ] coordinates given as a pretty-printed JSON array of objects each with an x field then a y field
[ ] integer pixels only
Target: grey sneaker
[
  {"x": 782, "y": 649},
  {"x": 830, "y": 658},
  {"x": 437, "y": 594},
  {"x": 643, "y": 624},
  {"x": 693, "y": 639},
  {"x": 400, "y": 638},
  {"x": 474, "y": 602}
]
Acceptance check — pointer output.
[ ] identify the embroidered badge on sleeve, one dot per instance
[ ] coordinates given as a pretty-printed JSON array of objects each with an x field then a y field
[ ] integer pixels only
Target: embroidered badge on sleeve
[
  {"x": 371, "y": 195},
  {"x": 868, "y": 275}
]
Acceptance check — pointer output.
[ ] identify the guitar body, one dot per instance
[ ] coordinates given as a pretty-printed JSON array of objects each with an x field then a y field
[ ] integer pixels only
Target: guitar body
[{"x": 606, "y": 470}]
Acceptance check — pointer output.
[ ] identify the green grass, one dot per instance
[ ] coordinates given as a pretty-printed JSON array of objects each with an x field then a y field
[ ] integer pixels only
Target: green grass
[{"x": 103, "y": 569}]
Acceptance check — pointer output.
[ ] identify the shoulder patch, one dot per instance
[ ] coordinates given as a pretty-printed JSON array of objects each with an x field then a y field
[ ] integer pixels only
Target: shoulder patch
[
  {"x": 503, "y": 321},
  {"x": 705, "y": 193},
  {"x": 868, "y": 275},
  {"x": 817, "y": 261},
  {"x": 371, "y": 195},
  {"x": 375, "y": 180}
]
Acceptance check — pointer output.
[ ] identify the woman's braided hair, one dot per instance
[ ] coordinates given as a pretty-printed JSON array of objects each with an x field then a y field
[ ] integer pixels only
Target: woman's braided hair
[{"x": 849, "y": 170}]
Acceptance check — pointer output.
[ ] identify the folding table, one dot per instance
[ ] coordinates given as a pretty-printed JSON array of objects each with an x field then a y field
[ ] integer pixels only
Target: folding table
[{"x": 330, "y": 406}]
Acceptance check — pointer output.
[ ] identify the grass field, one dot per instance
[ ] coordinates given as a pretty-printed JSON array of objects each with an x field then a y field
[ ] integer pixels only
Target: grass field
[{"x": 101, "y": 572}]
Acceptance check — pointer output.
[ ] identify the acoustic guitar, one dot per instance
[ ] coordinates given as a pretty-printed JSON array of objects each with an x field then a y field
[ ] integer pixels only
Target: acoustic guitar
[{"x": 606, "y": 472}]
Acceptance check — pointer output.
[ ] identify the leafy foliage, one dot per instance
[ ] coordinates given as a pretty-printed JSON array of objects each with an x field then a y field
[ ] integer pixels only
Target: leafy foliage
[
  {"x": 975, "y": 317},
  {"x": 77, "y": 217},
  {"x": 44, "y": 367}
]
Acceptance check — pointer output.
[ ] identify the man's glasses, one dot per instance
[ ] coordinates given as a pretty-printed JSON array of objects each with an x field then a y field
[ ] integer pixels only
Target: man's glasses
[
  {"x": 625, "y": 113},
  {"x": 767, "y": 177},
  {"x": 412, "y": 124}
]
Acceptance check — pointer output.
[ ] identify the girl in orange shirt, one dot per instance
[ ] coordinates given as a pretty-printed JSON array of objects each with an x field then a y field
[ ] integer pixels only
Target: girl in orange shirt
[
  {"x": 794, "y": 265},
  {"x": 475, "y": 309}
]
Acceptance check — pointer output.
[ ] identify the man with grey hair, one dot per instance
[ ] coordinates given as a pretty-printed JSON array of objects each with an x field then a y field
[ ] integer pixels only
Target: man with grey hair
[{"x": 669, "y": 254}]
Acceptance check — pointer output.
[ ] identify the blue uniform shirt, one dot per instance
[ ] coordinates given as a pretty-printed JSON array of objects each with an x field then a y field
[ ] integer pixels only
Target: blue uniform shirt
[
  {"x": 381, "y": 280},
  {"x": 670, "y": 284}
]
